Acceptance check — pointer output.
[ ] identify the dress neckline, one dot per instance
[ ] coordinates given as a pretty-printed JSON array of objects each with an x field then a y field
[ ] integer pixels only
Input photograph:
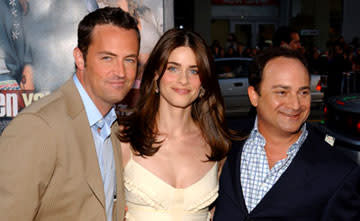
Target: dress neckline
[{"x": 132, "y": 161}]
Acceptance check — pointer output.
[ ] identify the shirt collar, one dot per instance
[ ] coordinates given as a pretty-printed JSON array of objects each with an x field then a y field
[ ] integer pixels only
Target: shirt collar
[
  {"x": 92, "y": 112},
  {"x": 304, "y": 133},
  {"x": 293, "y": 148},
  {"x": 255, "y": 131}
]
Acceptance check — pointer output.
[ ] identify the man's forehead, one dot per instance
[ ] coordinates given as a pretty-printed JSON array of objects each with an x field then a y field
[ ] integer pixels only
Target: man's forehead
[
  {"x": 109, "y": 28},
  {"x": 108, "y": 35},
  {"x": 280, "y": 70},
  {"x": 282, "y": 62}
]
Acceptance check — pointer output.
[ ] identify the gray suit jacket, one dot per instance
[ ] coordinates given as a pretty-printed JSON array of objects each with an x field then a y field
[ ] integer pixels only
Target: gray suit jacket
[{"x": 48, "y": 163}]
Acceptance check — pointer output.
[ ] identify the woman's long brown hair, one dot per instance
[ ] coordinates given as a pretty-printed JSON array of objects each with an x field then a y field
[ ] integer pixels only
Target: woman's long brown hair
[{"x": 140, "y": 128}]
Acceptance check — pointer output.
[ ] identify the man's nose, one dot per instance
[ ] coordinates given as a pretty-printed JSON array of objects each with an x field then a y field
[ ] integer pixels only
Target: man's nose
[
  {"x": 119, "y": 69},
  {"x": 295, "y": 102}
]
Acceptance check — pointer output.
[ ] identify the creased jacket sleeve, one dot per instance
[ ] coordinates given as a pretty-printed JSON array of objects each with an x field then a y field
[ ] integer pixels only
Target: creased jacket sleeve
[{"x": 27, "y": 161}]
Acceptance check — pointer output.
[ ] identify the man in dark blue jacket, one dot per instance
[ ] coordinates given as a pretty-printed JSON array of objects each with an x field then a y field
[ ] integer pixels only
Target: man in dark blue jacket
[{"x": 286, "y": 170}]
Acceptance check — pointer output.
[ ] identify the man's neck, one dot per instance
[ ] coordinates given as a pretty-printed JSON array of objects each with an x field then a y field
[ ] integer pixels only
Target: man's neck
[{"x": 277, "y": 144}]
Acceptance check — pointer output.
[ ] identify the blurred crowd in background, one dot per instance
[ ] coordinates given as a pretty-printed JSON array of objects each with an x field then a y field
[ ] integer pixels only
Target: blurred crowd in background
[{"x": 340, "y": 58}]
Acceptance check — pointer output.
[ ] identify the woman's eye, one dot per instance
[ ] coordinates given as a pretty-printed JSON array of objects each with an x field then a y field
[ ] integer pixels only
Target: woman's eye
[
  {"x": 172, "y": 68},
  {"x": 194, "y": 71}
]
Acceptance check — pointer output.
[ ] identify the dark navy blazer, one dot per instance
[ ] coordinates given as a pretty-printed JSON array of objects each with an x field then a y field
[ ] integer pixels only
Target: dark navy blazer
[{"x": 320, "y": 184}]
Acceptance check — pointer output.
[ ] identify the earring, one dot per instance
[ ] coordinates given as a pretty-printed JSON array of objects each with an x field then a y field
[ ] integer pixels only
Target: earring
[
  {"x": 156, "y": 88},
  {"x": 202, "y": 92}
]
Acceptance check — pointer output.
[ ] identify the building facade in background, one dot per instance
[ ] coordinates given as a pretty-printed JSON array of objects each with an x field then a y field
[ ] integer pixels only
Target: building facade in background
[{"x": 253, "y": 22}]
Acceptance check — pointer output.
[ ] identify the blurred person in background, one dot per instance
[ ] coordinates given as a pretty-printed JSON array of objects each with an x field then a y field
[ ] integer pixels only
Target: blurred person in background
[
  {"x": 231, "y": 42},
  {"x": 216, "y": 49},
  {"x": 287, "y": 37},
  {"x": 240, "y": 48},
  {"x": 337, "y": 66},
  {"x": 16, "y": 71},
  {"x": 15, "y": 52}
]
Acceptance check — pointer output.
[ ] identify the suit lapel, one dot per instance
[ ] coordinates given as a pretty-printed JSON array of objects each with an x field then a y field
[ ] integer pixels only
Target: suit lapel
[
  {"x": 85, "y": 139},
  {"x": 120, "y": 205},
  {"x": 234, "y": 165},
  {"x": 295, "y": 178}
]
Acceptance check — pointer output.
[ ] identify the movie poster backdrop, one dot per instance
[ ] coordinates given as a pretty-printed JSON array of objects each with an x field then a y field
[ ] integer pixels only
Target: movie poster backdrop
[{"x": 37, "y": 38}]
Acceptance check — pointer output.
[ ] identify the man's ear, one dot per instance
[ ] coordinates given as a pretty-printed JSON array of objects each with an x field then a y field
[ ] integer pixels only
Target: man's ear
[
  {"x": 253, "y": 96},
  {"x": 79, "y": 59}
]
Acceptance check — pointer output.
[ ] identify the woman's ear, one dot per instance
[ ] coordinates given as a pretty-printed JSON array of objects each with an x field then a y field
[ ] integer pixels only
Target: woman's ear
[
  {"x": 253, "y": 96},
  {"x": 156, "y": 85},
  {"x": 156, "y": 76}
]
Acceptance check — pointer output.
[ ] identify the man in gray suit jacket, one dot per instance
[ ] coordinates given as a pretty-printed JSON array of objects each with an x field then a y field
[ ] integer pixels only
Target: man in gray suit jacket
[{"x": 60, "y": 158}]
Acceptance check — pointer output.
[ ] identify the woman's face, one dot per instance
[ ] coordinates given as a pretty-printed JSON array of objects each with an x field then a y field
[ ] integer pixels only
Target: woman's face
[{"x": 180, "y": 84}]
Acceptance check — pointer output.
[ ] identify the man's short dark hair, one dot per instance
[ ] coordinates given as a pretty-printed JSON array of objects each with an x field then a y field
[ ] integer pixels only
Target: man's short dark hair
[
  {"x": 108, "y": 15},
  {"x": 283, "y": 34},
  {"x": 257, "y": 70}
]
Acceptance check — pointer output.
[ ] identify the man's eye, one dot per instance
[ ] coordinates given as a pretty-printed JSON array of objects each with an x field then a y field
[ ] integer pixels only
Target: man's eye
[
  {"x": 304, "y": 93},
  {"x": 130, "y": 60},
  {"x": 280, "y": 93},
  {"x": 106, "y": 58}
]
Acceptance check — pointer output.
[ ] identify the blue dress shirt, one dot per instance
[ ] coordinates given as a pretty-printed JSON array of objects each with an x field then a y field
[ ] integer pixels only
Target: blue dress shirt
[
  {"x": 256, "y": 176},
  {"x": 101, "y": 130}
]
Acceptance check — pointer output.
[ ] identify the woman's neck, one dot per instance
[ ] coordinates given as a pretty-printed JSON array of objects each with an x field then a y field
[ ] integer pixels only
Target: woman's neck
[{"x": 175, "y": 121}]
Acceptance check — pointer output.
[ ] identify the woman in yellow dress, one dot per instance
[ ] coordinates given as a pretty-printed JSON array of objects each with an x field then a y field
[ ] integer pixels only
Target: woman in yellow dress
[{"x": 173, "y": 141}]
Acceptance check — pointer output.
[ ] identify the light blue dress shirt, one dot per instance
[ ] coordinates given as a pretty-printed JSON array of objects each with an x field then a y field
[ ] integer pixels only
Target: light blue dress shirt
[{"x": 103, "y": 145}]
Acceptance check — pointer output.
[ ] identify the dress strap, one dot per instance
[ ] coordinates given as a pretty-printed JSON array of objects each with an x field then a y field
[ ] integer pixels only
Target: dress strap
[
  {"x": 131, "y": 158},
  {"x": 131, "y": 154}
]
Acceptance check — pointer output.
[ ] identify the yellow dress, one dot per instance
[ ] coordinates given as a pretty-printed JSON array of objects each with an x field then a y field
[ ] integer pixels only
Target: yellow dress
[{"x": 150, "y": 198}]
